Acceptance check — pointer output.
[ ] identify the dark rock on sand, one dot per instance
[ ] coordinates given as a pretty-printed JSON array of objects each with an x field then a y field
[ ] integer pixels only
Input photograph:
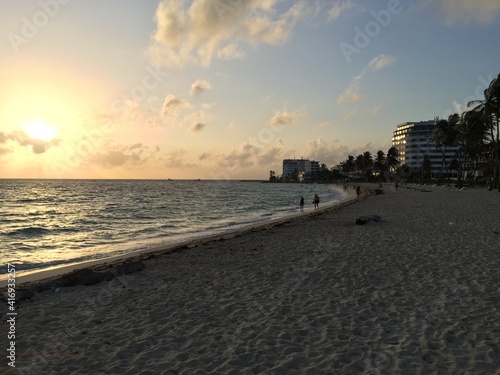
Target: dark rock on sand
[{"x": 365, "y": 219}]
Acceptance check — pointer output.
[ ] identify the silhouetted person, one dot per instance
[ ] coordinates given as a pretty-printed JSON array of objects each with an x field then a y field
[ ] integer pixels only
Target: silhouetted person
[{"x": 316, "y": 201}]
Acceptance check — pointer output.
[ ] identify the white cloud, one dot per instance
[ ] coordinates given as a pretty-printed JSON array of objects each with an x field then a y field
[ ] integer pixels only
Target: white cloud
[
  {"x": 172, "y": 105},
  {"x": 329, "y": 153},
  {"x": 177, "y": 159},
  {"x": 461, "y": 12},
  {"x": 286, "y": 118},
  {"x": 333, "y": 152},
  {"x": 482, "y": 12},
  {"x": 380, "y": 62},
  {"x": 38, "y": 146},
  {"x": 271, "y": 156},
  {"x": 352, "y": 93},
  {"x": 118, "y": 155},
  {"x": 201, "y": 30},
  {"x": 231, "y": 52},
  {"x": 339, "y": 8},
  {"x": 199, "y": 87}
]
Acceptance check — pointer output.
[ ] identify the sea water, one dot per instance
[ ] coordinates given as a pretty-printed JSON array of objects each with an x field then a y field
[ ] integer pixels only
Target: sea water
[{"x": 46, "y": 223}]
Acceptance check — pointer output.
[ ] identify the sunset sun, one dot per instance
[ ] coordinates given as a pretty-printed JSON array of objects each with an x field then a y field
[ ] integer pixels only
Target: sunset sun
[{"x": 39, "y": 129}]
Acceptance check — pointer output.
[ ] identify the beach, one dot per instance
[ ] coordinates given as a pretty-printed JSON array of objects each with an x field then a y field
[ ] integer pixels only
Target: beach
[{"x": 414, "y": 293}]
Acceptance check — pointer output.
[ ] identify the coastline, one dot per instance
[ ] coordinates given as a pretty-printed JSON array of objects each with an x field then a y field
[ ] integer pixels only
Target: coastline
[
  {"x": 416, "y": 292},
  {"x": 40, "y": 275}
]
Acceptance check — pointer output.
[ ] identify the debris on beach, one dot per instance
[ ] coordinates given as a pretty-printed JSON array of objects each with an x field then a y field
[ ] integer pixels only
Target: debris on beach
[
  {"x": 366, "y": 219},
  {"x": 84, "y": 276}
]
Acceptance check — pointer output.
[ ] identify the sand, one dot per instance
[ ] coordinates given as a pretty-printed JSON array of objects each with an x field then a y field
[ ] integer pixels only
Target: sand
[{"x": 416, "y": 293}]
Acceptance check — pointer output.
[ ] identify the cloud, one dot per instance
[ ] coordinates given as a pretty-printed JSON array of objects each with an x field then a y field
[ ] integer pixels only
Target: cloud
[
  {"x": 271, "y": 156},
  {"x": 241, "y": 157},
  {"x": 380, "y": 62},
  {"x": 195, "y": 120},
  {"x": 352, "y": 93},
  {"x": 172, "y": 105},
  {"x": 483, "y": 12},
  {"x": 120, "y": 155},
  {"x": 286, "y": 118},
  {"x": 199, "y": 87},
  {"x": 37, "y": 146},
  {"x": 3, "y": 137},
  {"x": 231, "y": 52},
  {"x": 201, "y": 30},
  {"x": 177, "y": 159},
  {"x": 339, "y": 8},
  {"x": 332, "y": 152},
  {"x": 197, "y": 127},
  {"x": 204, "y": 156},
  {"x": 329, "y": 153}
]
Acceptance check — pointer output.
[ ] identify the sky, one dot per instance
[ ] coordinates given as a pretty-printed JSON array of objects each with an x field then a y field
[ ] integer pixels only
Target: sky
[{"x": 227, "y": 89}]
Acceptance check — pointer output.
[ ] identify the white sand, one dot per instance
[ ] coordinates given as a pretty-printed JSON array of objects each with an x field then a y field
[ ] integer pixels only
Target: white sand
[{"x": 417, "y": 293}]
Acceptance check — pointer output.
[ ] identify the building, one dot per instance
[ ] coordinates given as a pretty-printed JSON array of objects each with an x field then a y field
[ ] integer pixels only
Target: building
[
  {"x": 413, "y": 140},
  {"x": 300, "y": 169}
]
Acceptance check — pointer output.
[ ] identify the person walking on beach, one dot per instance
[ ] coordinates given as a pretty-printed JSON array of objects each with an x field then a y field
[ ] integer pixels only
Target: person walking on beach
[
  {"x": 301, "y": 204},
  {"x": 316, "y": 201},
  {"x": 358, "y": 190}
]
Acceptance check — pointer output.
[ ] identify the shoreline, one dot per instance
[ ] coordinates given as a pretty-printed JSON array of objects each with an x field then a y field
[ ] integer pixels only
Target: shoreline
[
  {"x": 33, "y": 277},
  {"x": 416, "y": 292}
]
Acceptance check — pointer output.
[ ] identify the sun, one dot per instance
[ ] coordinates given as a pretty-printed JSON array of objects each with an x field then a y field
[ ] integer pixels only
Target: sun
[{"x": 39, "y": 129}]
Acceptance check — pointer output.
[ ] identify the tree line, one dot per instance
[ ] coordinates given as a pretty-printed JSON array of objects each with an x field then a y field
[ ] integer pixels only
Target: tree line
[{"x": 475, "y": 133}]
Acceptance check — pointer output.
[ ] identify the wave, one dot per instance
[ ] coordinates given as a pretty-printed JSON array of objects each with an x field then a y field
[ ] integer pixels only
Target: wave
[
  {"x": 29, "y": 232},
  {"x": 105, "y": 217}
]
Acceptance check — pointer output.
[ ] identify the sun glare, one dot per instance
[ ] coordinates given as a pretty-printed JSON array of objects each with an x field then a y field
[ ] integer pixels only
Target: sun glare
[{"x": 38, "y": 129}]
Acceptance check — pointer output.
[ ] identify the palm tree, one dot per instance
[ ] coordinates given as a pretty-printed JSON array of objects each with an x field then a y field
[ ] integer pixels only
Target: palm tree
[
  {"x": 472, "y": 130},
  {"x": 380, "y": 163},
  {"x": 272, "y": 176},
  {"x": 360, "y": 163},
  {"x": 444, "y": 136},
  {"x": 492, "y": 101},
  {"x": 368, "y": 162},
  {"x": 348, "y": 166},
  {"x": 392, "y": 158}
]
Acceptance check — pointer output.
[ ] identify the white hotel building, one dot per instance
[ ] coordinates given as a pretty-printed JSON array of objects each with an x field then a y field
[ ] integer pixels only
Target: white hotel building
[
  {"x": 302, "y": 168},
  {"x": 414, "y": 139}
]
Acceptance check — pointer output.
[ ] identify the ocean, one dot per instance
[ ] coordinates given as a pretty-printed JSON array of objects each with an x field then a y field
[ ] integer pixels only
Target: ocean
[{"x": 46, "y": 223}]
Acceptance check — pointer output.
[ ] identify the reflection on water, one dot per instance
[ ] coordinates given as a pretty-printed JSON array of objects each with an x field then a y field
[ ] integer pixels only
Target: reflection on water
[{"x": 48, "y": 222}]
